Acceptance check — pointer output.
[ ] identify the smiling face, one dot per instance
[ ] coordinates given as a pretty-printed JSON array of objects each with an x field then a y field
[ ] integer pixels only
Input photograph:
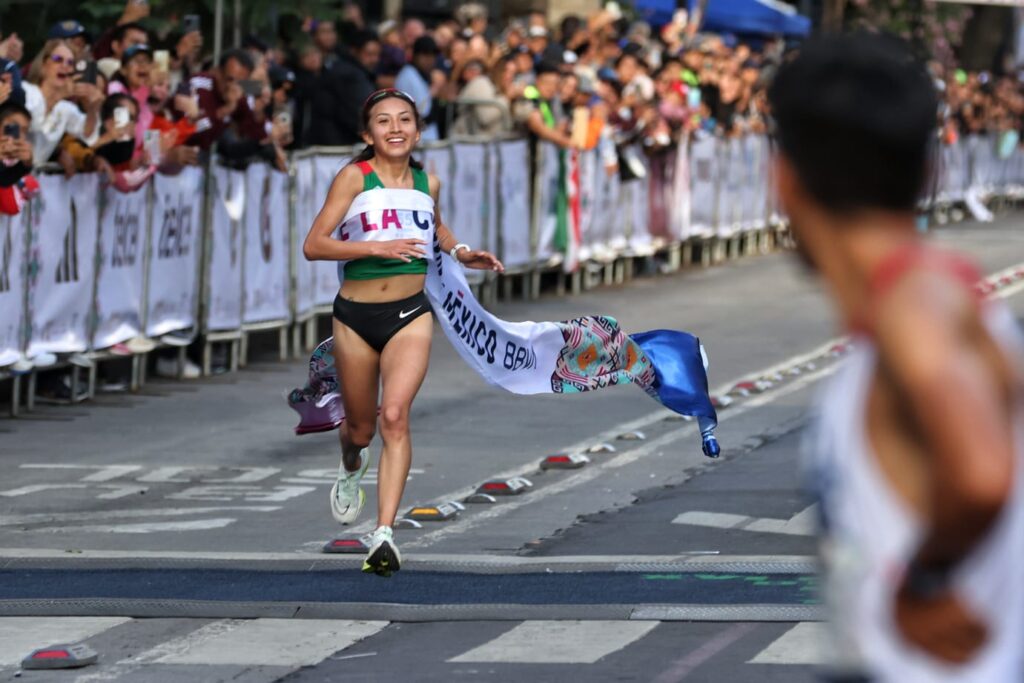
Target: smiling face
[
  {"x": 136, "y": 71},
  {"x": 392, "y": 128}
]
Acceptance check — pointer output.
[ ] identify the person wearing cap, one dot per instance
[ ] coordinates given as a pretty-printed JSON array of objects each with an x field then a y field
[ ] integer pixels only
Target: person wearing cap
[
  {"x": 537, "y": 41},
  {"x": 545, "y": 119},
  {"x": 482, "y": 107},
  {"x": 422, "y": 80},
  {"x": 74, "y": 34},
  {"x": 346, "y": 86},
  {"x": 133, "y": 79}
]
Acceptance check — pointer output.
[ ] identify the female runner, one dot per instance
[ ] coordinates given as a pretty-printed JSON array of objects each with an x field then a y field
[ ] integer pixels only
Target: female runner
[{"x": 382, "y": 318}]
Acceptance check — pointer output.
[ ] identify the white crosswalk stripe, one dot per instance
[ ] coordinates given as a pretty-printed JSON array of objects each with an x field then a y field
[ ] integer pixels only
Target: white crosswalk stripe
[
  {"x": 559, "y": 642},
  {"x": 21, "y": 635},
  {"x": 802, "y": 644},
  {"x": 276, "y": 642}
]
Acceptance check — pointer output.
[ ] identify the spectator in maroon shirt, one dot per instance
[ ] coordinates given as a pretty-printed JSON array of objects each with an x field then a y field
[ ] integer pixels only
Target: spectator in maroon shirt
[{"x": 226, "y": 118}]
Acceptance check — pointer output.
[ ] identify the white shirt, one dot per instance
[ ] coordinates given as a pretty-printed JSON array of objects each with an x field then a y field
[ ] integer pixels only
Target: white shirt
[
  {"x": 871, "y": 534},
  {"x": 48, "y": 127}
]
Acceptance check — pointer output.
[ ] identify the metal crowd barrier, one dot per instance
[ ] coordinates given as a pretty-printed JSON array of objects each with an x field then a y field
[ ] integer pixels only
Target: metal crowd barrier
[{"x": 216, "y": 255}]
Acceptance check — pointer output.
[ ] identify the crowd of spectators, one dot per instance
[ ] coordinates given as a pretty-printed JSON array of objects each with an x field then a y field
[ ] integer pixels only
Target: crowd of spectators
[{"x": 130, "y": 102}]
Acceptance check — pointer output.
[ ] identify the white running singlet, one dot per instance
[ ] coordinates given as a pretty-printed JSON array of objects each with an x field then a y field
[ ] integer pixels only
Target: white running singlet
[{"x": 870, "y": 535}]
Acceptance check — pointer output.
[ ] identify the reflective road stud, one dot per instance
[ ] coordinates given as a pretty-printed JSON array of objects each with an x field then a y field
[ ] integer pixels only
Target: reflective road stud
[
  {"x": 632, "y": 436},
  {"x": 439, "y": 513},
  {"x": 345, "y": 545},
  {"x": 505, "y": 487},
  {"x": 60, "y": 657},
  {"x": 601, "y": 448},
  {"x": 406, "y": 523},
  {"x": 478, "y": 498},
  {"x": 564, "y": 461}
]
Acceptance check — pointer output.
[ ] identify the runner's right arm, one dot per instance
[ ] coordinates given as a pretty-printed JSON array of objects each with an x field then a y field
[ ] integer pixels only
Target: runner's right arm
[{"x": 320, "y": 246}]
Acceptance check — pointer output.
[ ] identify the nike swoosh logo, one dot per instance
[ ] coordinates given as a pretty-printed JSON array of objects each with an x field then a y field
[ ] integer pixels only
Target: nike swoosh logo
[{"x": 402, "y": 315}]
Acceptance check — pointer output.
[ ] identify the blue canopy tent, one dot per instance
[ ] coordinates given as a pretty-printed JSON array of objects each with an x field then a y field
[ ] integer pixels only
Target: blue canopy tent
[
  {"x": 655, "y": 12},
  {"x": 760, "y": 17}
]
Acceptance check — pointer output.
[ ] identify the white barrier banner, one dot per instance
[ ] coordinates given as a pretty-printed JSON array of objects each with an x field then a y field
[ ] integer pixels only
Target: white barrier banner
[
  {"x": 325, "y": 273},
  {"x": 438, "y": 162},
  {"x": 679, "y": 196},
  {"x": 266, "y": 245},
  {"x": 305, "y": 211},
  {"x": 731, "y": 188},
  {"x": 704, "y": 174},
  {"x": 468, "y": 213},
  {"x": 547, "y": 224},
  {"x": 64, "y": 219},
  {"x": 224, "y": 267},
  {"x": 639, "y": 234},
  {"x": 953, "y": 179},
  {"x": 174, "y": 252},
  {"x": 608, "y": 213},
  {"x": 514, "y": 198},
  {"x": 120, "y": 277},
  {"x": 755, "y": 188},
  {"x": 12, "y": 287},
  {"x": 589, "y": 168}
]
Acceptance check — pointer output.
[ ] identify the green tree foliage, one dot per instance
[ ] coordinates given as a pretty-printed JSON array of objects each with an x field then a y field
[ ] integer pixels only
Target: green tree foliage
[{"x": 937, "y": 26}]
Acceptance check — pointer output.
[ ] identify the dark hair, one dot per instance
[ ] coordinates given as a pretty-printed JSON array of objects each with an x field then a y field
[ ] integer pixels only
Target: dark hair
[
  {"x": 117, "y": 100},
  {"x": 121, "y": 30},
  {"x": 239, "y": 55},
  {"x": 570, "y": 26},
  {"x": 368, "y": 105},
  {"x": 10, "y": 107},
  {"x": 855, "y": 115},
  {"x": 359, "y": 39}
]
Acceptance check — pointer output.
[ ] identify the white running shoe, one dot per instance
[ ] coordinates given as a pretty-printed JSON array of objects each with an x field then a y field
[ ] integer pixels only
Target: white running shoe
[
  {"x": 383, "y": 559},
  {"x": 347, "y": 497}
]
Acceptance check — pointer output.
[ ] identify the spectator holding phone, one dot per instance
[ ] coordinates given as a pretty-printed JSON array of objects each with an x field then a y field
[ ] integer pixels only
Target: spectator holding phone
[
  {"x": 46, "y": 100},
  {"x": 225, "y": 116},
  {"x": 15, "y": 158},
  {"x": 133, "y": 79}
]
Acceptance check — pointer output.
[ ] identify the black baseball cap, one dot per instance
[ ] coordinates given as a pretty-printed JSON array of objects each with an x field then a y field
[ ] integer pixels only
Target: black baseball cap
[{"x": 425, "y": 45}]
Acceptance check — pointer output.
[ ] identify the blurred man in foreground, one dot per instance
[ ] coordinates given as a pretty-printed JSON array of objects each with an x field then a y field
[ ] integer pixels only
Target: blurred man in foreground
[{"x": 918, "y": 460}]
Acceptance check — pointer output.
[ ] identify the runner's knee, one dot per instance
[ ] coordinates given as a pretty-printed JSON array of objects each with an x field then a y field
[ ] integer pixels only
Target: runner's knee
[
  {"x": 359, "y": 433},
  {"x": 394, "y": 421}
]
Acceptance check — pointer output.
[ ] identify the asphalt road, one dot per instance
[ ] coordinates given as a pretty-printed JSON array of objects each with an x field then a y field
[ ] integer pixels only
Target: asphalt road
[{"x": 183, "y": 525}]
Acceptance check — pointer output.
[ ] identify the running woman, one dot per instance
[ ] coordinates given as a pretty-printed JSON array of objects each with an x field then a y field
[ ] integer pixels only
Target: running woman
[
  {"x": 919, "y": 460},
  {"x": 382, "y": 318}
]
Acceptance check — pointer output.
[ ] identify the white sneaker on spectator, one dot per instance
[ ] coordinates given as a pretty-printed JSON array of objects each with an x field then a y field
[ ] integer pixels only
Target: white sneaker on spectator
[
  {"x": 44, "y": 359},
  {"x": 168, "y": 367},
  {"x": 140, "y": 345},
  {"x": 177, "y": 339}
]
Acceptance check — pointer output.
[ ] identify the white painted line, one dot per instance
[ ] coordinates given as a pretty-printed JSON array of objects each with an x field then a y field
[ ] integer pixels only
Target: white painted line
[
  {"x": 20, "y": 635},
  {"x": 168, "y": 648},
  {"x": 141, "y": 527},
  {"x": 801, "y": 524},
  {"x": 559, "y": 642},
  {"x": 802, "y": 644},
  {"x": 594, "y": 471},
  {"x": 276, "y": 642},
  {"x": 99, "y": 515},
  {"x": 104, "y": 473}
]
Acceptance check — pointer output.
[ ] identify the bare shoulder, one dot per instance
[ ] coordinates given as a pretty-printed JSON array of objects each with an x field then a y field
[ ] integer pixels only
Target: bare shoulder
[
  {"x": 349, "y": 176},
  {"x": 434, "y": 183}
]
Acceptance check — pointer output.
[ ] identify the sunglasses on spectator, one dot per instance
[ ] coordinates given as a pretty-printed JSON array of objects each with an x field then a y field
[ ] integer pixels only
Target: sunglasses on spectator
[{"x": 60, "y": 59}]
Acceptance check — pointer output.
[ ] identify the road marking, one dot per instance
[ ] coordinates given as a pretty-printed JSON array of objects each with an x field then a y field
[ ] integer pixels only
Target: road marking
[
  {"x": 105, "y": 473},
  {"x": 559, "y": 642},
  {"x": 803, "y": 523},
  {"x": 681, "y": 668},
  {"x": 114, "y": 490},
  {"x": 276, "y": 642},
  {"x": 98, "y": 515},
  {"x": 169, "y": 648},
  {"x": 594, "y": 471},
  {"x": 20, "y": 635},
  {"x": 802, "y": 644},
  {"x": 141, "y": 527}
]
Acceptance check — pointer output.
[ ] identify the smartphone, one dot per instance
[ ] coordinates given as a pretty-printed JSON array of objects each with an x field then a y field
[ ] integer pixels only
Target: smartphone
[
  {"x": 87, "y": 71},
  {"x": 190, "y": 23},
  {"x": 162, "y": 60},
  {"x": 12, "y": 130},
  {"x": 251, "y": 88},
  {"x": 151, "y": 141},
  {"x": 121, "y": 116}
]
